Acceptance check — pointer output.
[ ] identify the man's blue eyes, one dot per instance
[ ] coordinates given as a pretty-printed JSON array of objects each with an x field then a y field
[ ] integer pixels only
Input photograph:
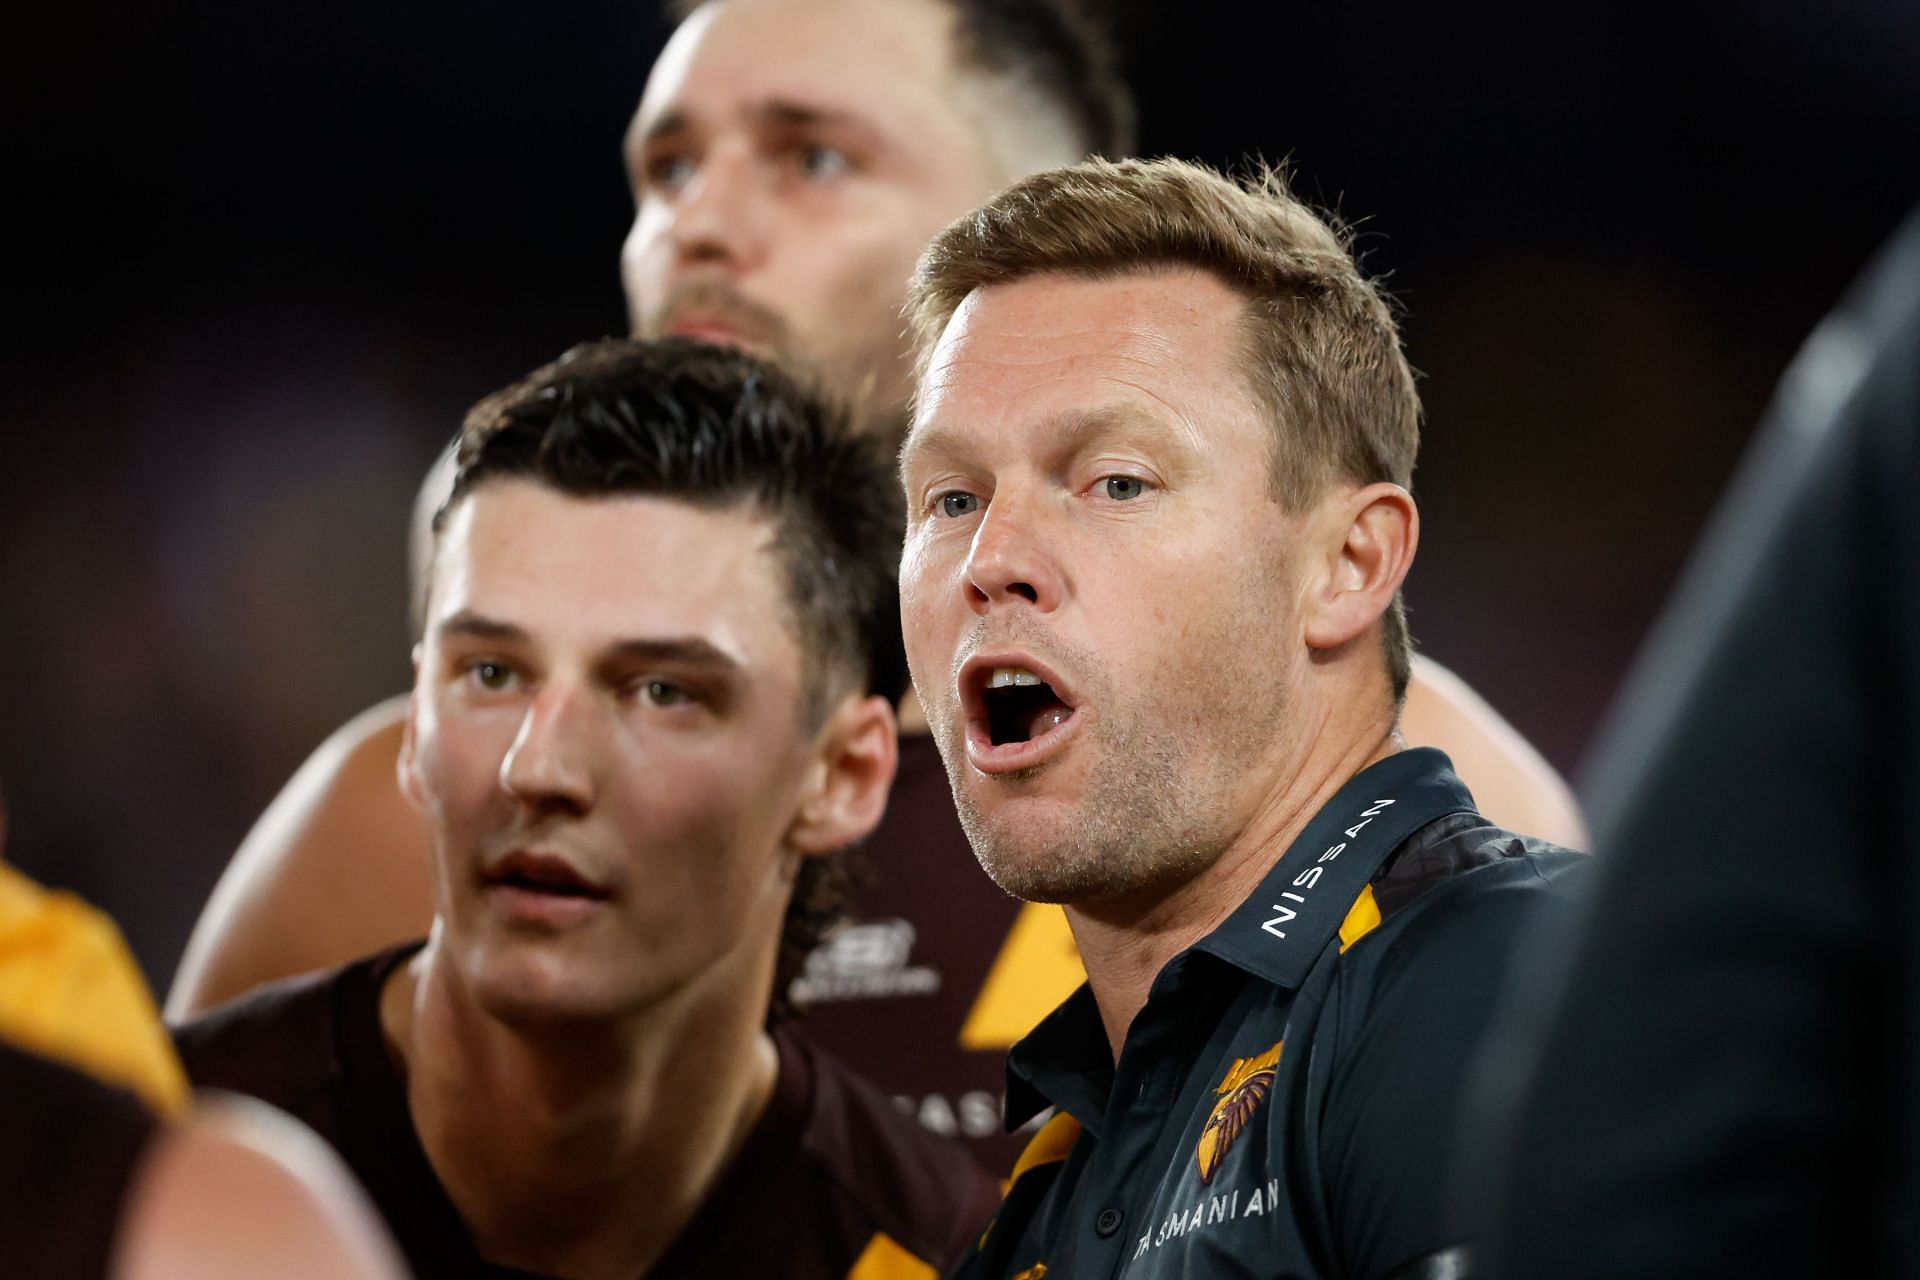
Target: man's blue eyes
[
  {"x": 1117, "y": 488},
  {"x": 819, "y": 161}
]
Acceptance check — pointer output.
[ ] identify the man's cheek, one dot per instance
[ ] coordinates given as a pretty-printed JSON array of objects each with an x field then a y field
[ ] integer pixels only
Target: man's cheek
[{"x": 454, "y": 775}]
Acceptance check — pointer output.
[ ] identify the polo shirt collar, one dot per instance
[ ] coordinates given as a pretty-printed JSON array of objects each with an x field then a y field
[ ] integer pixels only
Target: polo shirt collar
[
  {"x": 1064, "y": 1062},
  {"x": 1276, "y": 933},
  {"x": 1281, "y": 928}
]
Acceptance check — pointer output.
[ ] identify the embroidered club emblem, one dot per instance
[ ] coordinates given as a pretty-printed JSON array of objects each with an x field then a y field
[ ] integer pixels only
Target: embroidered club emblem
[{"x": 1246, "y": 1086}]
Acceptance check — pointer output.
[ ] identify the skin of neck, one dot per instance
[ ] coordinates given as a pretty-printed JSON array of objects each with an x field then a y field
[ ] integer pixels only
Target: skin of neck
[
  {"x": 1343, "y": 720},
  {"x": 582, "y": 1150}
]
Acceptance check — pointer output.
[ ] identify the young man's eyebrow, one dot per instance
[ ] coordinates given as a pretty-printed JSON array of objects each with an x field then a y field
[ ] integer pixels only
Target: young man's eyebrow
[
  {"x": 692, "y": 650},
  {"x": 780, "y": 111},
  {"x": 687, "y": 650},
  {"x": 475, "y": 626},
  {"x": 666, "y": 124}
]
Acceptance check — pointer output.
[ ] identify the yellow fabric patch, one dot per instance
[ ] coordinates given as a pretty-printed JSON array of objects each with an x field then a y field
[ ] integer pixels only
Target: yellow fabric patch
[
  {"x": 70, "y": 991},
  {"x": 1037, "y": 968},
  {"x": 885, "y": 1258},
  {"x": 1049, "y": 1146},
  {"x": 1362, "y": 920}
]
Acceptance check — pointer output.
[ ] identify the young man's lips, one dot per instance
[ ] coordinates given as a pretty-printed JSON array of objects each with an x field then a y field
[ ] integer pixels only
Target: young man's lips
[
  {"x": 542, "y": 887},
  {"x": 531, "y": 906}
]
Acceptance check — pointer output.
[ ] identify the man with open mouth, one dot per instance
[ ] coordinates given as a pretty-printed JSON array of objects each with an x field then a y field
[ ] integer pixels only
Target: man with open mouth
[
  {"x": 652, "y": 706},
  {"x": 789, "y": 160},
  {"x": 1158, "y": 521}
]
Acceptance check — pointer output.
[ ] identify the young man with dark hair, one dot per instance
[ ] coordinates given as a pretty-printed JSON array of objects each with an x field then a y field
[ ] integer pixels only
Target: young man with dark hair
[
  {"x": 789, "y": 161},
  {"x": 642, "y": 704},
  {"x": 1158, "y": 522}
]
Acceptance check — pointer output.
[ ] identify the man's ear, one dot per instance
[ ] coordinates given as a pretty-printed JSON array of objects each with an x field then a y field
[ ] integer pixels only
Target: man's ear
[
  {"x": 856, "y": 754},
  {"x": 407, "y": 767},
  {"x": 1368, "y": 539}
]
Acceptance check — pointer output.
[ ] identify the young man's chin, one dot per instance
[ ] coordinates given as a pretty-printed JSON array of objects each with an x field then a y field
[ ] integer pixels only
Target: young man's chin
[{"x": 530, "y": 987}]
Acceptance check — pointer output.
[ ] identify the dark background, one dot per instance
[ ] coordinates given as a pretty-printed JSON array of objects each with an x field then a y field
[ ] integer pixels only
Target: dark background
[{"x": 262, "y": 257}]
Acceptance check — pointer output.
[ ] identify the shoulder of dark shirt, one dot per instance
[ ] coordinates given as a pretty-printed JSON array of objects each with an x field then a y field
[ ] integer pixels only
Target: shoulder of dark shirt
[
  {"x": 1446, "y": 852},
  {"x": 70, "y": 1149},
  {"x": 277, "y": 1043},
  {"x": 1457, "y": 901},
  {"x": 923, "y": 1190},
  {"x": 1415, "y": 997}
]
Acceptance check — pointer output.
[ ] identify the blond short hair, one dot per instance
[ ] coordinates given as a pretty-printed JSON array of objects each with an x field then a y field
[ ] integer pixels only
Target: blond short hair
[{"x": 1323, "y": 351}]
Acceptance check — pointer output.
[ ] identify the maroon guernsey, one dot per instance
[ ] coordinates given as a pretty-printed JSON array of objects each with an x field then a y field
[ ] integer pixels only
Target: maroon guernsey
[
  {"x": 834, "y": 1181},
  {"x": 69, "y": 1149}
]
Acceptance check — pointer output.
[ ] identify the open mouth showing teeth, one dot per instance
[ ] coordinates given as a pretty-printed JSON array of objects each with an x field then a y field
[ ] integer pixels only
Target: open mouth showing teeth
[{"x": 1020, "y": 706}]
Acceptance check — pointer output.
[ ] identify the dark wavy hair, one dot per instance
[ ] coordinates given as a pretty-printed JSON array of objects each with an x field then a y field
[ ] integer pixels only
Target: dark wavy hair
[{"x": 716, "y": 428}]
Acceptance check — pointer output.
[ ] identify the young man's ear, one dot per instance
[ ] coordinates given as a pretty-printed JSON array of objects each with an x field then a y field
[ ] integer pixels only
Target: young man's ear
[
  {"x": 858, "y": 750},
  {"x": 1367, "y": 539},
  {"x": 407, "y": 768}
]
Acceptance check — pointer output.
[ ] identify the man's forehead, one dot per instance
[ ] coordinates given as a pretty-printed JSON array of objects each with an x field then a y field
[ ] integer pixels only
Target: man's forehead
[
  {"x": 854, "y": 56},
  {"x": 1149, "y": 338},
  {"x": 620, "y": 564}
]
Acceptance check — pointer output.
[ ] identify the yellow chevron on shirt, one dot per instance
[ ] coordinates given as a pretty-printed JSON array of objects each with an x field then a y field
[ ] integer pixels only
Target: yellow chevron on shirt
[
  {"x": 1362, "y": 919},
  {"x": 885, "y": 1258},
  {"x": 70, "y": 991}
]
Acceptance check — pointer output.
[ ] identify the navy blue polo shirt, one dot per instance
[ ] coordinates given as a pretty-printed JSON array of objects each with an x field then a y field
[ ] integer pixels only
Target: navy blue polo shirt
[{"x": 1285, "y": 1102}]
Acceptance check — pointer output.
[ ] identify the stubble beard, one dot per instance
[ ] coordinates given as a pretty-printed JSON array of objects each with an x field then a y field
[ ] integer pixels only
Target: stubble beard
[
  {"x": 1157, "y": 807},
  {"x": 865, "y": 376}
]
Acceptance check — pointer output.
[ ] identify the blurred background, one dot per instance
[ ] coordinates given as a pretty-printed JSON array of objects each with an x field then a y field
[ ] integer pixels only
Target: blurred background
[{"x": 263, "y": 258}]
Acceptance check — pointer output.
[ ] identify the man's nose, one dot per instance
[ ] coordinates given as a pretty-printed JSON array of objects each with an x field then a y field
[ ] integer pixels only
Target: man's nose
[
  {"x": 1009, "y": 562},
  {"x": 549, "y": 766},
  {"x": 721, "y": 216}
]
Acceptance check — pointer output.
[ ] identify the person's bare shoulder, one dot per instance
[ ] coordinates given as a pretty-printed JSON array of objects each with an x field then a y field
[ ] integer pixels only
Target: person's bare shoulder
[
  {"x": 240, "y": 1190},
  {"x": 1511, "y": 782},
  {"x": 336, "y": 868}
]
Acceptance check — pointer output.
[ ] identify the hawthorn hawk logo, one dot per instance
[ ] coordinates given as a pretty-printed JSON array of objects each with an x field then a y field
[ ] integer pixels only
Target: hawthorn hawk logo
[{"x": 1246, "y": 1086}]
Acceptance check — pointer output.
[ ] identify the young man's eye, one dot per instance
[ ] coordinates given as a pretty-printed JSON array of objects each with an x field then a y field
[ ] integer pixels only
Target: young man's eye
[
  {"x": 668, "y": 172},
  {"x": 492, "y": 676},
  {"x": 958, "y": 503},
  {"x": 1123, "y": 488},
  {"x": 665, "y": 693},
  {"x": 819, "y": 161}
]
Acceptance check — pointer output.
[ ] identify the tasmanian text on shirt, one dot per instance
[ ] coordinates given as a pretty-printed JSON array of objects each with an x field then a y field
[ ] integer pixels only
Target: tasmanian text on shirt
[{"x": 1229, "y": 1206}]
